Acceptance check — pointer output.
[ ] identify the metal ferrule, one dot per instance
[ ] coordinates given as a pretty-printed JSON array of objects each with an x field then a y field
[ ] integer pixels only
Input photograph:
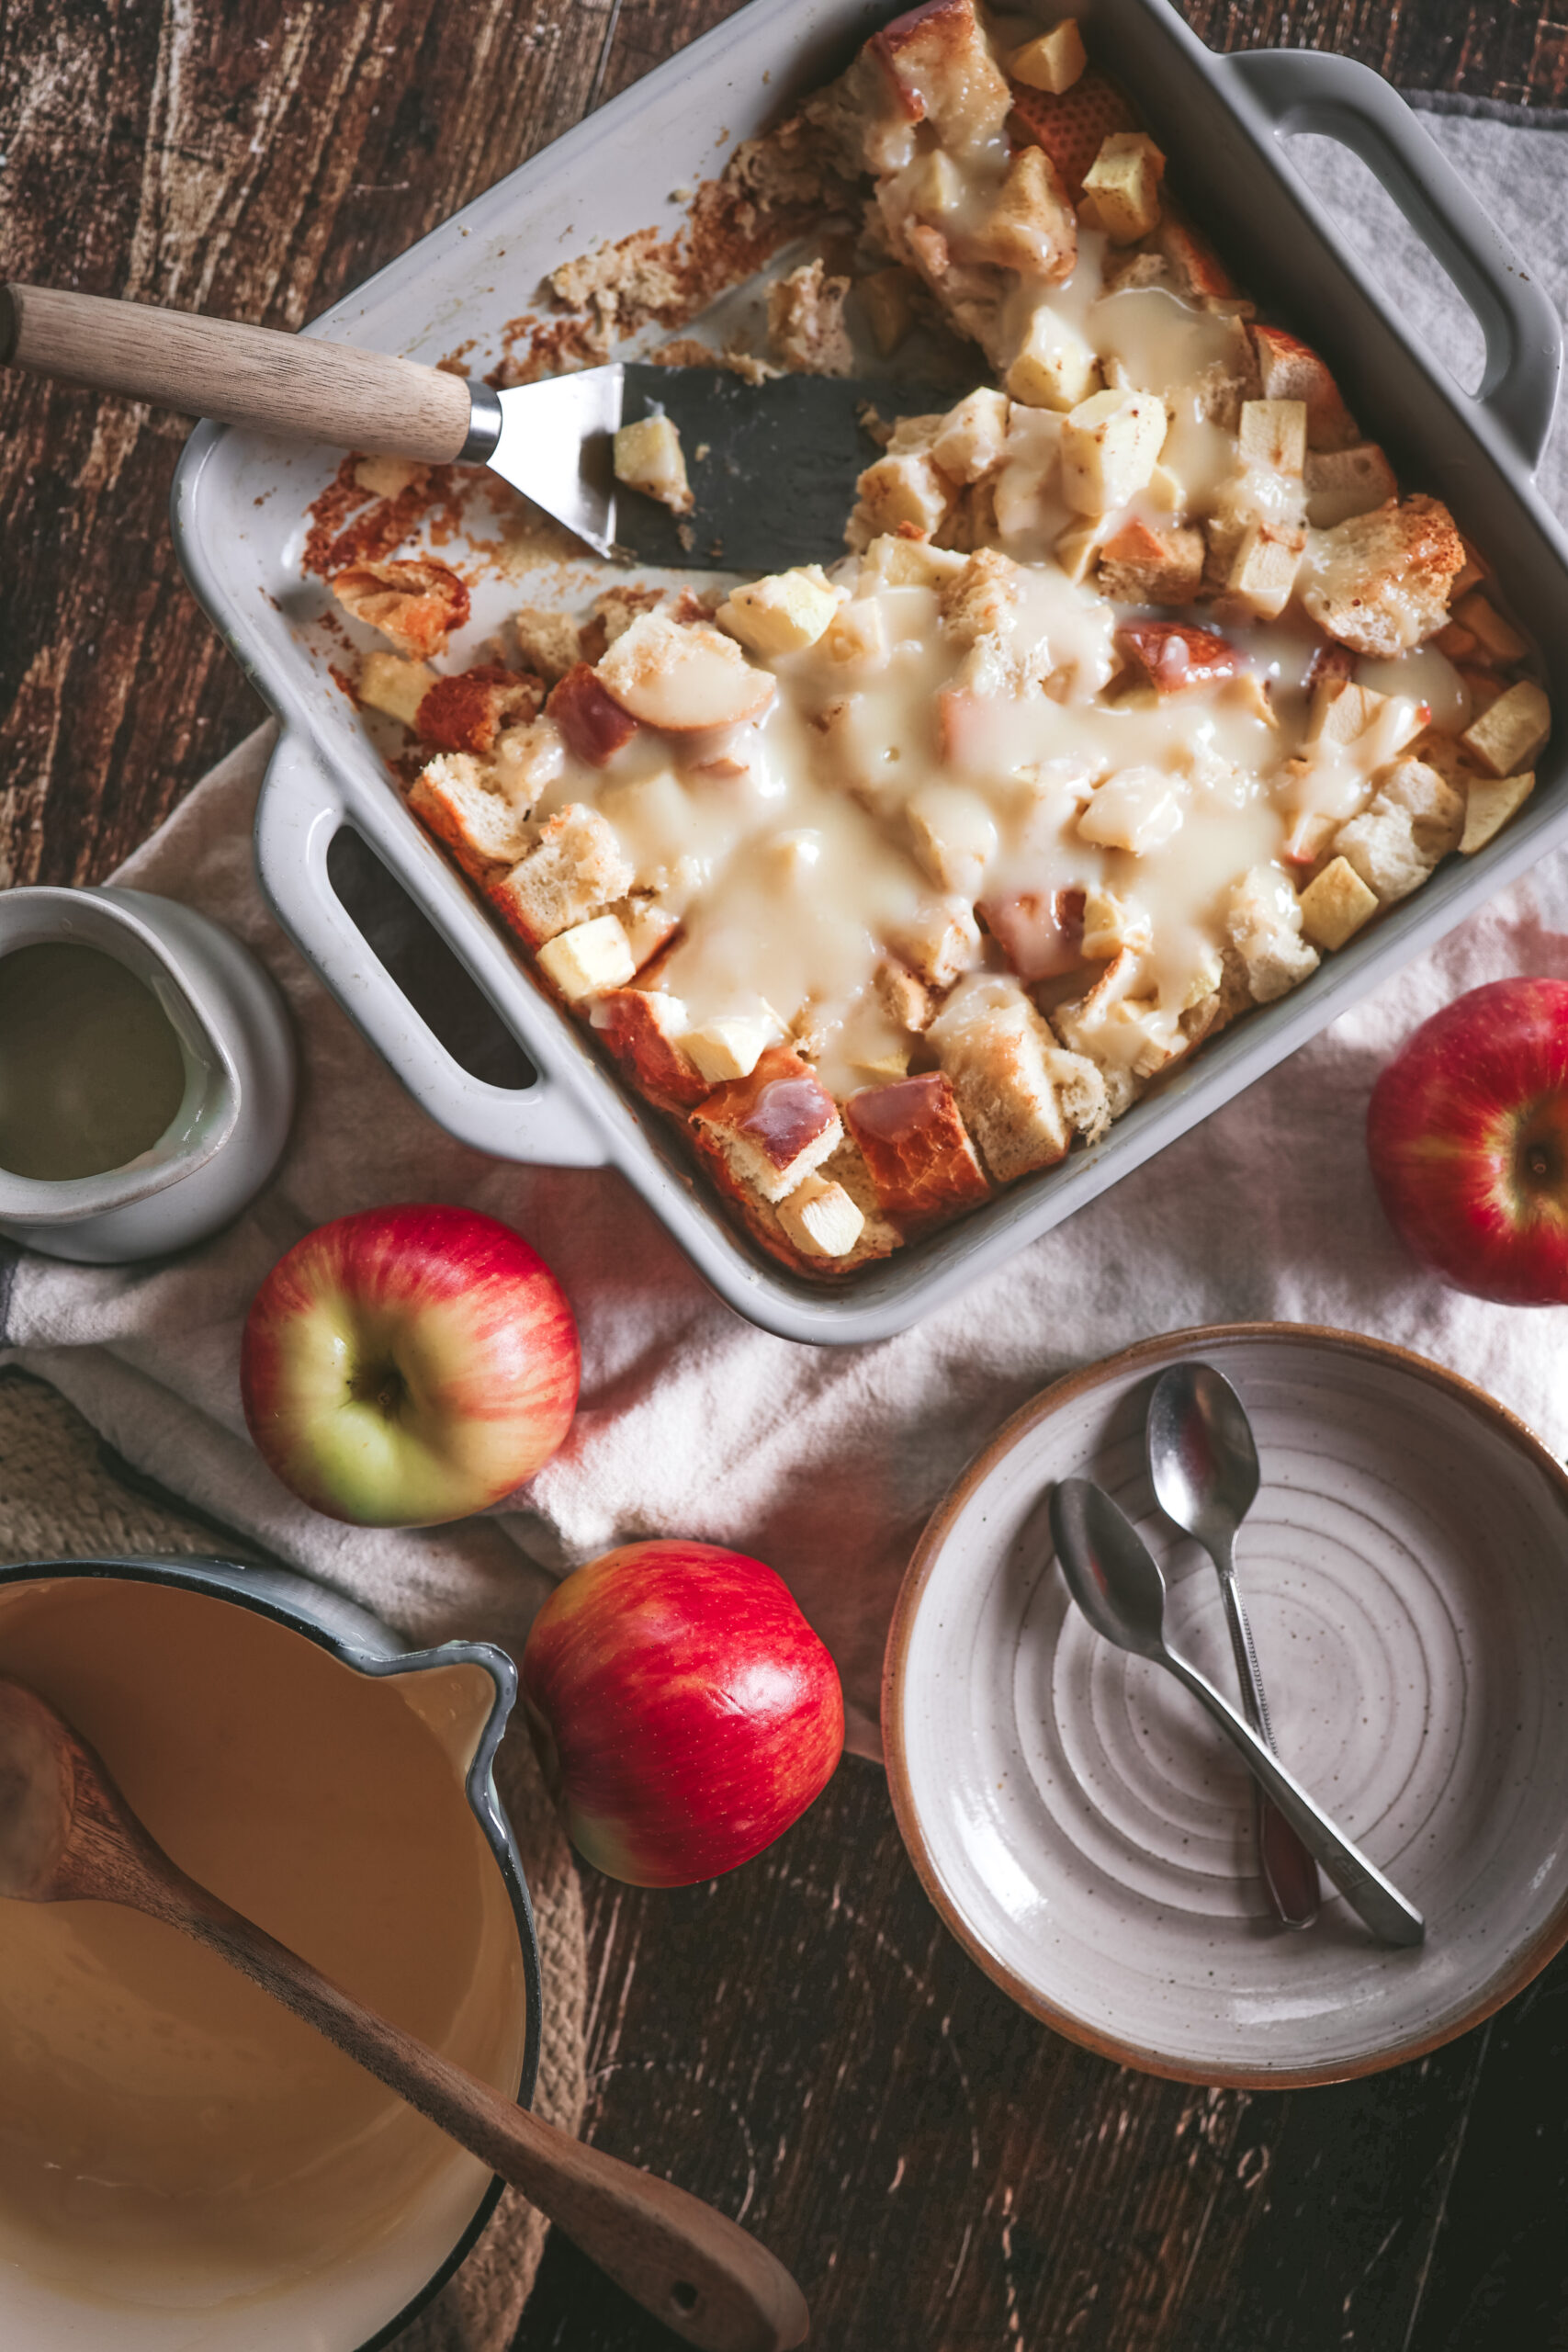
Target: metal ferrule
[{"x": 484, "y": 425}]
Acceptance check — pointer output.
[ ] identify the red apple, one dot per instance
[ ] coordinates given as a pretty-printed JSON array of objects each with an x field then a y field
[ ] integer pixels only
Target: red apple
[
  {"x": 1467, "y": 1132},
  {"x": 683, "y": 1708},
  {"x": 409, "y": 1365}
]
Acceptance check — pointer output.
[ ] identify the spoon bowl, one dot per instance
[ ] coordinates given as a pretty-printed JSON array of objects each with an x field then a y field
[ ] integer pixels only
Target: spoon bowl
[{"x": 1202, "y": 1454}]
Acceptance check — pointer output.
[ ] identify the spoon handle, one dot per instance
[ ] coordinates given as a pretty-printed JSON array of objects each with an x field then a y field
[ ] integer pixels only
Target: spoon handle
[
  {"x": 704, "y": 2276},
  {"x": 1289, "y": 1871},
  {"x": 1362, "y": 1884}
]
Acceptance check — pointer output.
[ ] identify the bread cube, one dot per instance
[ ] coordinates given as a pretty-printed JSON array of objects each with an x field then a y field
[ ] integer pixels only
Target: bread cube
[
  {"x": 856, "y": 637},
  {"x": 467, "y": 712},
  {"x": 940, "y": 942},
  {"x": 1031, "y": 226},
  {"x": 1343, "y": 482},
  {"x": 1379, "y": 582},
  {"x": 588, "y": 959},
  {"x": 642, "y": 1027},
  {"x": 575, "y": 867},
  {"x": 1052, "y": 61},
  {"x": 591, "y": 723},
  {"x": 614, "y": 610},
  {"x": 1273, "y": 434},
  {"x": 526, "y": 761},
  {"x": 954, "y": 836},
  {"x": 1054, "y": 367},
  {"x": 821, "y": 1218},
  {"x": 1264, "y": 921},
  {"x": 1111, "y": 445},
  {"x": 902, "y": 995},
  {"x": 993, "y": 1045},
  {"x": 806, "y": 322},
  {"x": 415, "y": 604},
  {"x": 649, "y": 927},
  {"x": 1289, "y": 369},
  {"x": 681, "y": 678},
  {"x": 1127, "y": 1038},
  {"x": 1262, "y": 576},
  {"x": 648, "y": 458},
  {"x": 782, "y": 614},
  {"x": 1112, "y": 923},
  {"x": 1507, "y": 736},
  {"x": 894, "y": 562},
  {"x": 388, "y": 684},
  {"x": 982, "y": 600},
  {"x": 773, "y": 1126},
  {"x": 452, "y": 799},
  {"x": 1137, "y": 809},
  {"x": 915, "y": 1149},
  {"x": 902, "y": 487},
  {"x": 1124, "y": 182},
  {"x": 1334, "y": 904},
  {"x": 732, "y": 1046},
  {"x": 1174, "y": 657},
  {"x": 1139, "y": 565},
  {"x": 1411, "y": 823},
  {"x": 1488, "y": 805},
  {"x": 389, "y": 476},
  {"x": 548, "y": 641},
  {"x": 973, "y": 436},
  {"x": 887, "y": 298},
  {"x": 942, "y": 62},
  {"x": 1201, "y": 276},
  {"x": 1500, "y": 641}
]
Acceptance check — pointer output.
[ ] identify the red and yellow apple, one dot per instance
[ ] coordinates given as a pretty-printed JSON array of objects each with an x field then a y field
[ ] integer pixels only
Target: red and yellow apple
[
  {"x": 1468, "y": 1133},
  {"x": 684, "y": 1710},
  {"x": 409, "y": 1365}
]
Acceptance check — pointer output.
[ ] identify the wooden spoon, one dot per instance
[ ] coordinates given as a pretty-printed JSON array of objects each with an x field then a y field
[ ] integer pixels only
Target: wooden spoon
[{"x": 67, "y": 1835}]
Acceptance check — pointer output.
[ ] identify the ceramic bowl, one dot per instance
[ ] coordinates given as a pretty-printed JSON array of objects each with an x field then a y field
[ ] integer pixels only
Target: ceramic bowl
[
  {"x": 1083, "y": 1829},
  {"x": 373, "y": 2224}
]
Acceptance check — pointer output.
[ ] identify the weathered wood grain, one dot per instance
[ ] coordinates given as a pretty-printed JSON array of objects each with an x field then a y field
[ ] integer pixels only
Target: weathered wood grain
[{"x": 802, "y": 2042}]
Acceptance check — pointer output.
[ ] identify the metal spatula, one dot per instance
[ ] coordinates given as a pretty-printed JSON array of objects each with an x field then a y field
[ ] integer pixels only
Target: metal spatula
[{"x": 772, "y": 466}]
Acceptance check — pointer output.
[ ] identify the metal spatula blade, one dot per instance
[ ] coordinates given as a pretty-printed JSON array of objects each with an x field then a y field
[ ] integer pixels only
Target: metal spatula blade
[{"x": 772, "y": 466}]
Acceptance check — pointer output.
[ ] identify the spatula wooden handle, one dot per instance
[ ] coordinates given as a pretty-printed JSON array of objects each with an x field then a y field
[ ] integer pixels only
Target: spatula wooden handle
[{"x": 257, "y": 376}]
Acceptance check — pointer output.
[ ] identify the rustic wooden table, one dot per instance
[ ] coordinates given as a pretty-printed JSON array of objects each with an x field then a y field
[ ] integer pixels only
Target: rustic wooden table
[{"x": 801, "y": 2042}]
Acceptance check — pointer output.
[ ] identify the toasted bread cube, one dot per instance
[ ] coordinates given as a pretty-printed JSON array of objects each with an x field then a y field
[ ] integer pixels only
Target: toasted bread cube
[
  {"x": 1263, "y": 573},
  {"x": 1488, "y": 805},
  {"x": 648, "y": 457},
  {"x": 982, "y": 601},
  {"x": 642, "y": 1027},
  {"x": 1127, "y": 1038},
  {"x": 548, "y": 642},
  {"x": 415, "y": 604},
  {"x": 389, "y": 476},
  {"x": 1264, "y": 921},
  {"x": 1082, "y": 1091},
  {"x": 732, "y": 1046},
  {"x": 941, "y": 941},
  {"x": 592, "y": 724},
  {"x": 1141, "y": 566},
  {"x": 993, "y": 1044},
  {"x": 1500, "y": 638},
  {"x": 1052, "y": 61},
  {"x": 821, "y": 1218},
  {"x": 1289, "y": 369},
  {"x": 1334, "y": 904},
  {"x": 782, "y": 614},
  {"x": 398, "y": 687},
  {"x": 887, "y": 298},
  {"x": 973, "y": 436},
  {"x": 915, "y": 1149},
  {"x": 467, "y": 711},
  {"x": 774, "y": 1127},
  {"x": 1411, "y": 823},
  {"x": 941, "y": 59},
  {"x": 575, "y": 867},
  {"x": 1473, "y": 571},
  {"x": 892, "y": 561},
  {"x": 1111, "y": 446},
  {"x": 1379, "y": 582},
  {"x": 1124, "y": 181},
  {"x": 1112, "y": 923},
  {"x": 1506, "y": 738},
  {"x": 806, "y": 322},
  {"x": 1175, "y": 657},
  {"x": 452, "y": 797},
  {"x": 1343, "y": 482},
  {"x": 954, "y": 836},
  {"x": 902, "y": 995},
  {"x": 1055, "y": 367},
  {"x": 1273, "y": 434},
  {"x": 1032, "y": 226},
  {"x": 899, "y": 488},
  {"x": 588, "y": 959},
  {"x": 649, "y": 927}
]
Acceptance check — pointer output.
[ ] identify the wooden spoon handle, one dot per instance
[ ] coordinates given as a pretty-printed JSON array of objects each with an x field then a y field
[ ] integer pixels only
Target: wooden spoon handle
[
  {"x": 692, "y": 2268},
  {"x": 257, "y": 376}
]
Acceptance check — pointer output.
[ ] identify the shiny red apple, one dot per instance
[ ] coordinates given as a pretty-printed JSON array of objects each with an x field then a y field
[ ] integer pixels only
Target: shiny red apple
[
  {"x": 1468, "y": 1133},
  {"x": 683, "y": 1708},
  {"x": 409, "y": 1365}
]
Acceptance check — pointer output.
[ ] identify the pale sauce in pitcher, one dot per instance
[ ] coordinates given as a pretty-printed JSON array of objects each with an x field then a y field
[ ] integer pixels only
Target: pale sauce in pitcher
[{"x": 91, "y": 1071}]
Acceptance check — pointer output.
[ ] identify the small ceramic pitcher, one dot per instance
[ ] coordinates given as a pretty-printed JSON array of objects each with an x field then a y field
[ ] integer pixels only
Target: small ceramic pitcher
[{"x": 224, "y": 1140}]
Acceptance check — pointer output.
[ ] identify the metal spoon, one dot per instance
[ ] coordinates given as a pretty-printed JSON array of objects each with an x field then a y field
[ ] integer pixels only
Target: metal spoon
[
  {"x": 1204, "y": 1466},
  {"x": 1115, "y": 1581}
]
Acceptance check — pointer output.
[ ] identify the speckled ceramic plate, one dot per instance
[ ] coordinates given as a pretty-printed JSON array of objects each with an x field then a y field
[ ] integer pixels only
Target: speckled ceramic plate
[{"x": 1081, "y": 1826}]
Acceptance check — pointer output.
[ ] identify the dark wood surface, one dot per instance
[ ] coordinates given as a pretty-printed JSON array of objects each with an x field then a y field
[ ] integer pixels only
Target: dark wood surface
[{"x": 801, "y": 2042}]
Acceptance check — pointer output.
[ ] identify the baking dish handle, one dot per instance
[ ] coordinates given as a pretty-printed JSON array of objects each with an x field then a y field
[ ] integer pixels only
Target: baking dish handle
[
  {"x": 300, "y": 811},
  {"x": 1301, "y": 90}
]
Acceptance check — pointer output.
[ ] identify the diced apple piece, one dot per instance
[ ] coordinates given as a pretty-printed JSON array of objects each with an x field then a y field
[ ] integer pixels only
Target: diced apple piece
[
  {"x": 1055, "y": 367},
  {"x": 1032, "y": 226},
  {"x": 1138, "y": 808},
  {"x": 1262, "y": 576},
  {"x": 1308, "y": 837},
  {"x": 893, "y": 561},
  {"x": 954, "y": 836},
  {"x": 1290, "y": 370},
  {"x": 1053, "y": 61},
  {"x": 682, "y": 679},
  {"x": 973, "y": 436},
  {"x": 388, "y": 684},
  {"x": 1506, "y": 738},
  {"x": 1124, "y": 181},
  {"x": 588, "y": 959},
  {"x": 592, "y": 723},
  {"x": 1489, "y": 803},
  {"x": 782, "y": 614},
  {"x": 1273, "y": 434},
  {"x": 732, "y": 1046},
  {"x": 648, "y": 457},
  {"x": 1334, "y": 905},
  {"x": 821, "y": 1218},
  {"x": 1111, "y": 446},
  {"x": 857, "y": 635}
]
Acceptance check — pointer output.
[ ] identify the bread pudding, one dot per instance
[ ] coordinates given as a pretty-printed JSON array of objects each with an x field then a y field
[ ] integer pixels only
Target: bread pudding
[{"x": 1143, "y": 686}]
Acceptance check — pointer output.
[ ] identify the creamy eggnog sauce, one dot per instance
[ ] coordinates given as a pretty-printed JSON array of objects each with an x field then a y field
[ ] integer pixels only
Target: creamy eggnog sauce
[{"x": 169, "y": 2136}]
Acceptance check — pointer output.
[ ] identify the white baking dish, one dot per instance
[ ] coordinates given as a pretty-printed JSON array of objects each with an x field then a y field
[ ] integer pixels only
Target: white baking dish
[{"x": 239, "y": 505}]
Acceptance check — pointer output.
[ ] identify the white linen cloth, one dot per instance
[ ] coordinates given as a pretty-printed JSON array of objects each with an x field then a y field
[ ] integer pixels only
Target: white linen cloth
[{"x": 823, "y": 1462}]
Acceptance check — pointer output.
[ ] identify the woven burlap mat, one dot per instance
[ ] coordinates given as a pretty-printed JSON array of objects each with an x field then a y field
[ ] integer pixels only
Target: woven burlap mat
[{"x": 61, "y": 1498}]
